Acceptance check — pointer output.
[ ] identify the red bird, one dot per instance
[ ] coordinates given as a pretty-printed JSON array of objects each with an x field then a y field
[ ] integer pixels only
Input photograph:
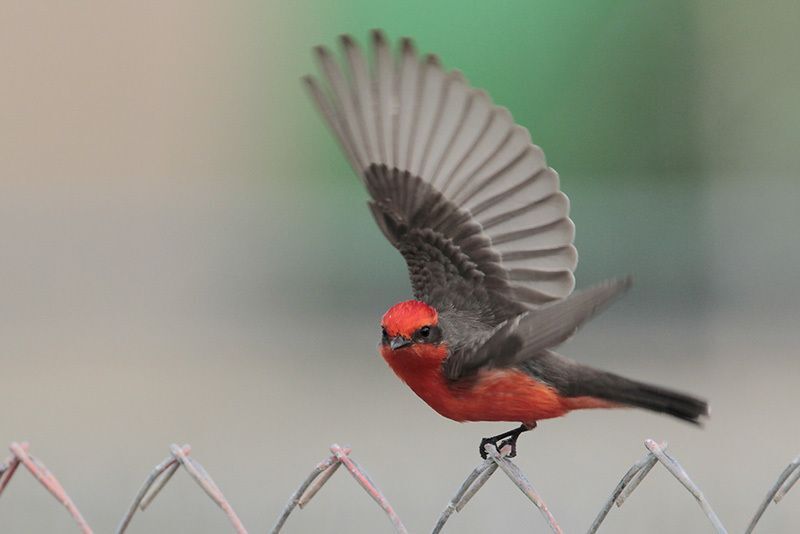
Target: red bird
[{"x": 470, "y": 203}]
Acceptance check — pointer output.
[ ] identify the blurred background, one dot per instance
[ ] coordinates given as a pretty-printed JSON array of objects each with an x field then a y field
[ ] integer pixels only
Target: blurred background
[{"x": 186, "y": 257}]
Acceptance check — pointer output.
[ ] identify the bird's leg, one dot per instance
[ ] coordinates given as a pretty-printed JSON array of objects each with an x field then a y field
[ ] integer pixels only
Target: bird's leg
[{"x": 510, "y": 438}]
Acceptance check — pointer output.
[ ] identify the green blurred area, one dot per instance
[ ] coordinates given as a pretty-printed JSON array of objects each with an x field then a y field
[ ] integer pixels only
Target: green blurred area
[
  {"x": 605, "y": 88},
  {"x": 633, "y": 105}
]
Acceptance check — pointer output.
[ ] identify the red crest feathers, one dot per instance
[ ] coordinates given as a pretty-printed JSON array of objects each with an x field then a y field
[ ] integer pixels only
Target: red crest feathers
[{"x": 405, "y": 318}]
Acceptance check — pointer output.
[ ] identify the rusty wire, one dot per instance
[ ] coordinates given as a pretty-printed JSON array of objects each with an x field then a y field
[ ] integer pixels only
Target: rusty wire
[
  {"x": 19, "y": 455},
  {"x": 163, "y": 472},
  {"x": 630, "y": 481},
  {"x": 180, "y": 457},
  {"x": 320, "y": 475},
  {"x": 478, "y": 477}
]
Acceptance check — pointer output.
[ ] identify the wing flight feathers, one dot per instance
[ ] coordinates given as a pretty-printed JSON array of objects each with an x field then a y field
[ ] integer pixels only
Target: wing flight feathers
[{"x": 436, "y": 141}]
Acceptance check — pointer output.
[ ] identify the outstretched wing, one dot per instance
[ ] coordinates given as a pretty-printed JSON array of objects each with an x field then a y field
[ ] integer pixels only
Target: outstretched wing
[{"x": 456, "y": 186}]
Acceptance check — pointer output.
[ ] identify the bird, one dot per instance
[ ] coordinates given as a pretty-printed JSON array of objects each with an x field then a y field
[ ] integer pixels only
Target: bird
[{"x": 470, "y": 203}]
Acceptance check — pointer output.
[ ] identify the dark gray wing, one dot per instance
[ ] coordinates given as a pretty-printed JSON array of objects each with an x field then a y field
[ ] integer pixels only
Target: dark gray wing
[
  {"x": 528, "y": 335},
  {"x": 457, "y": 187}
]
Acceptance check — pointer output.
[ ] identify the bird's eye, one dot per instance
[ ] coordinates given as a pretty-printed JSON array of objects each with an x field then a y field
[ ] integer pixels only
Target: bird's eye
[
  {"x": 384, "y": 334},
  {"x": 425, "y": 331}
]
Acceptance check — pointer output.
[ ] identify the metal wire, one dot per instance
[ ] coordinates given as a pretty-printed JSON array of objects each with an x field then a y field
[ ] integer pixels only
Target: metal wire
[
  {"x": 778, "y": 491},
  {"x": 320, "y": 475},
  {"x": 640, "y": 469},
  {"x": 340, "y": 456},
  {"x": 19, "y": 455},
  {"x": 163, "y": 472}
]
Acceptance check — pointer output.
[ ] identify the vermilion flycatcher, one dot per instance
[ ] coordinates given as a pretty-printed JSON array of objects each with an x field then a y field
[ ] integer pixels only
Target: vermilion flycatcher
[{"x": 470, "y": 203}]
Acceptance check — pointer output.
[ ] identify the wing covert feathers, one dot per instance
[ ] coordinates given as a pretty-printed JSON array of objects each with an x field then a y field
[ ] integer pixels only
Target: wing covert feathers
[
  {"x": 554, "y": 323},
  {"x": 529, "y": 335},
  {"x": 406, "y": 113}
]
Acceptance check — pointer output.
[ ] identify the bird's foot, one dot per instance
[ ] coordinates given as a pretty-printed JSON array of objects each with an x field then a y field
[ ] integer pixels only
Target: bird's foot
[
  {"x": 506, "y": 439},
  {"x": 499, "y": 446}
]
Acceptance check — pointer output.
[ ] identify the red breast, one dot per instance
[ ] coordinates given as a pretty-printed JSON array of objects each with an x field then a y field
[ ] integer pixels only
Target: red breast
[{"x": 492, "y": 395}]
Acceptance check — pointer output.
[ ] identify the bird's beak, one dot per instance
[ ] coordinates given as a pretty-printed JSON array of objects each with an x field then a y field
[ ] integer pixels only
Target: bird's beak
[{"x": 399, "y": 342}]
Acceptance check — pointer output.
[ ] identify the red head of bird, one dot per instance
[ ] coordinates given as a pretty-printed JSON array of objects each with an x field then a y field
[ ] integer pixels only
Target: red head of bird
[
  {"x": 409, "y": 329},
  {"x": 409, "y": 320}
]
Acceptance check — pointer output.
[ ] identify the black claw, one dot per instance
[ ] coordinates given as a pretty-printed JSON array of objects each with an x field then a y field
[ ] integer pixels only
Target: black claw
[
  {"x": 509, "y": 438},
  {"x": 513, "y": 443},
  {"x": 482, "y": 447}
]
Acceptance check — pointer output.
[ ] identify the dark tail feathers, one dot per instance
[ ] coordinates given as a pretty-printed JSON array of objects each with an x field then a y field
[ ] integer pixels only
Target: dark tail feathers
[{"x": 614, "y": 388}]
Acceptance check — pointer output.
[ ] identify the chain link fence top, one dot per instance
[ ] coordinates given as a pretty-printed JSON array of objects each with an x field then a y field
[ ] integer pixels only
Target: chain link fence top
[{"x": 181, "y": 457}]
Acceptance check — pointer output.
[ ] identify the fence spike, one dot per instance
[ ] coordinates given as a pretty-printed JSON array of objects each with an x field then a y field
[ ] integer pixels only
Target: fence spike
[
  {"x": 477, "y": 485},
  {"x": 10, "y": 466},
  {"x": 478, "y": 477},
  {"x": 513, "y": 472},
  {"x": 363, "y": 479},
  {"x": 616, "y": 495},
  {"x": 778, "y": 491},
  {"x": 641, "y": 473},
  {"x": 161, "y": 481},
  {"x": 306, "y": 497},
  {"x": 320, "y": 475},
  {"x": 474, "y": 481},
  {"x": 679, "y": 473},
  {"x": 788, "y": 484},
  {"x": 143, "y": 498},
  {"x": 640, "y": 469},
  {"x": 303, "y": 493},
  {"x": 199, "y": 474},
  {"x": 163, "y": 472},
  {"x": 45, "y": 478}
]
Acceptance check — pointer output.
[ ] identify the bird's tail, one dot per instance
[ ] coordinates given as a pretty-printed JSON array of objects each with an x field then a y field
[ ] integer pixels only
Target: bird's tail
[{"x": 617, "y": 389}]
